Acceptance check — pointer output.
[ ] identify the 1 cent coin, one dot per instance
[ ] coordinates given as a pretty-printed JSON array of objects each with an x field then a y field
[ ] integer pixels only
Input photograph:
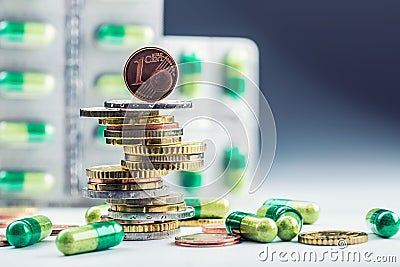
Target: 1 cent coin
[{"x": 150, "y": 74}]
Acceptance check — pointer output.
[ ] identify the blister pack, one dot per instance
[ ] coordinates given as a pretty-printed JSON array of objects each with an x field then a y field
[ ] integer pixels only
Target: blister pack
[
  {"x": 32, "y": 101},
  {"x": 220, "y": 76}
]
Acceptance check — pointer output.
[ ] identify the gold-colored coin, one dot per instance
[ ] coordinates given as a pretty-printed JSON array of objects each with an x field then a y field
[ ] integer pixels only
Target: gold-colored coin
[
  {"x": 170, "y": 166},
  {"x": 12, "y": 211},
  {"x": 101, "y": 112},
  {"x": 116, "y": 171},
  {"x": 200, "y": 222},
  {"x": 165, "y": 208},
  {"x": 172, "y": 198},
  {"x": 151, "y": 227},
  {"x": 146, "y": 142},
  {"x": 124, "y": 187},
  {"x": 166, "y": 158},
  {"x": 182, "y": 148},
  {"x": 333, "y": 238},
  {"x": 123, "y": 180},
  {"x": 160, "y": 119},
  {"x": 143, "y": 134}
]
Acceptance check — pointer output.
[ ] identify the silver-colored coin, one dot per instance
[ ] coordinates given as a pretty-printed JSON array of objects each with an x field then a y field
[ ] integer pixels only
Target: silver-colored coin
[
  {"x": 154, "y": 216},
  {"x": 172, "y": 198},
  {"x": 165, "y": 158},
  {"x": 140, "y": 134},
  {"x": 151, "y": 235},
  {"x": 126, "y": 194},
  {"x": 128, "y": 104}
]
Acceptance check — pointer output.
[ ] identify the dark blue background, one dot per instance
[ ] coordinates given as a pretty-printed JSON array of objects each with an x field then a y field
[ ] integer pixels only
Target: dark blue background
[{"x": 329, "y": 69}]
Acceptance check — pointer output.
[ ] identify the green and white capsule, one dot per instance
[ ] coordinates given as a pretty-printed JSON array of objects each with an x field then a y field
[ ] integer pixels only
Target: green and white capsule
[
  {"x": 25, "y": 181},
  {"x": 384, "y": 223},
  {"x": 111, "y": 85},
  {"x": 236, "y": 60},
  {"x": 309, "y": 210},
  {"x": 207, "y": 208},
  {"x": 19, "y": 85},
  {"x": 288, "y": 220},
  {"x": 25, "y": 132},
  {"x": 25, "y": 35},
  {"x": 91, "y": 237},
  {"x": 251, "y": 227},
  {"x": 235, "y": 165},
  {"x": 97, "y": 213},
  {"x": 190, "y": 73},
  {"x": 28, "y": 231},
  {"x": 124, "y": 36}
]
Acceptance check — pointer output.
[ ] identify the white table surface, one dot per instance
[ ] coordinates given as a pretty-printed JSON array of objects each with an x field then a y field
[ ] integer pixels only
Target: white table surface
[{"x": 344, "y": 203}]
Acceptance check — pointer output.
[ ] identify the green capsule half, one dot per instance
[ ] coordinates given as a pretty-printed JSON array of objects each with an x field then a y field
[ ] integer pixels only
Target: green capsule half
[
  {"x": 190, "y": 180},
  {"x": 288, "y": 220},
  {"x": 235, "y": 164},
  {"x": 384, "y": 223},
  {"x": 24, "y": 34},
  {"x": 124, "y": 35},
  {"x": 25, "y": 181},
  {"x": 251, "y": 227},
  {"x": 91, "y": 237},
  {"x": 309, "y": 210},
  {"x": 97, "y": 213},
  {"x": 28, "y": 231},
  {"x": 207, "y": 208}
]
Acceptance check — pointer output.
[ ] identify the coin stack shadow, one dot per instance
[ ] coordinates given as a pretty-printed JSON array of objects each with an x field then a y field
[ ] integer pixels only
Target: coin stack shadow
[{"x": 134, "y": 189}]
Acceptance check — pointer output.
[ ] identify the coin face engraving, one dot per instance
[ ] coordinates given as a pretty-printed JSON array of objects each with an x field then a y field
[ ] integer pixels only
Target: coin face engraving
[{"x": 150, "y": 74}]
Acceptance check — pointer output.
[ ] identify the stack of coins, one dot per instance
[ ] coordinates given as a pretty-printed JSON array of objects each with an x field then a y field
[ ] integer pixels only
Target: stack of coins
[{"x": 153, "y": 147}]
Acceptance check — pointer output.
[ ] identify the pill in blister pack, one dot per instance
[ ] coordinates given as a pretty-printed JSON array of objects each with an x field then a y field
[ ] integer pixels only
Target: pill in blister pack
[
  {"x": 25, "y": 34},
  {"x": 124, "y": 36},
  {"x": 18, "y": 85},
  {"x": 25, "y": 181},
  {"x": 25, "y": 132},
  {"x": 111, "y": 85}
]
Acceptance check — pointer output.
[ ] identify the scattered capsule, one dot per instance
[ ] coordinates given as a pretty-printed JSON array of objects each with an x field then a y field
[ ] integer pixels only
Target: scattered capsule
[
  {"x": 25, "y": 132},
  {"x": 111, "y": 85},
  {"x": 124, "y": 36},
  {"x": 235, "y": 165},
  {"x": 97, "y": 213},
  {"x": 91, "y": 237},
  {"x": 384, "y": 223},
  {"x": 309, "y": 210},
  {"x": 190, "y": 74},
  {"x": 251, "y": 227},
  {"x": 207, "y": 208},
  {"x": 190, "y": 180},
  {"x": 16, "y": 85},
  {"x": 288, "y": 220},
  {"x": 28, "y": 231},
  {"x": 18, "y": 34},
  {"x": 235, "y": 79},
  {"x": 25, "y": 181}
]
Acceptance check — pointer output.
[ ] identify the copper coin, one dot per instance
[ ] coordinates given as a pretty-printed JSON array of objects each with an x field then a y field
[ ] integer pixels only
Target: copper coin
[
  {"x": 153, "y": 127},
  {"x": 59, "y": 227},
  {"x": 150, "y": 74},
  {"x": 207, "y": 240},
  {"x": 3, "y": 241},
  {"x": 214, "y": 229}
]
